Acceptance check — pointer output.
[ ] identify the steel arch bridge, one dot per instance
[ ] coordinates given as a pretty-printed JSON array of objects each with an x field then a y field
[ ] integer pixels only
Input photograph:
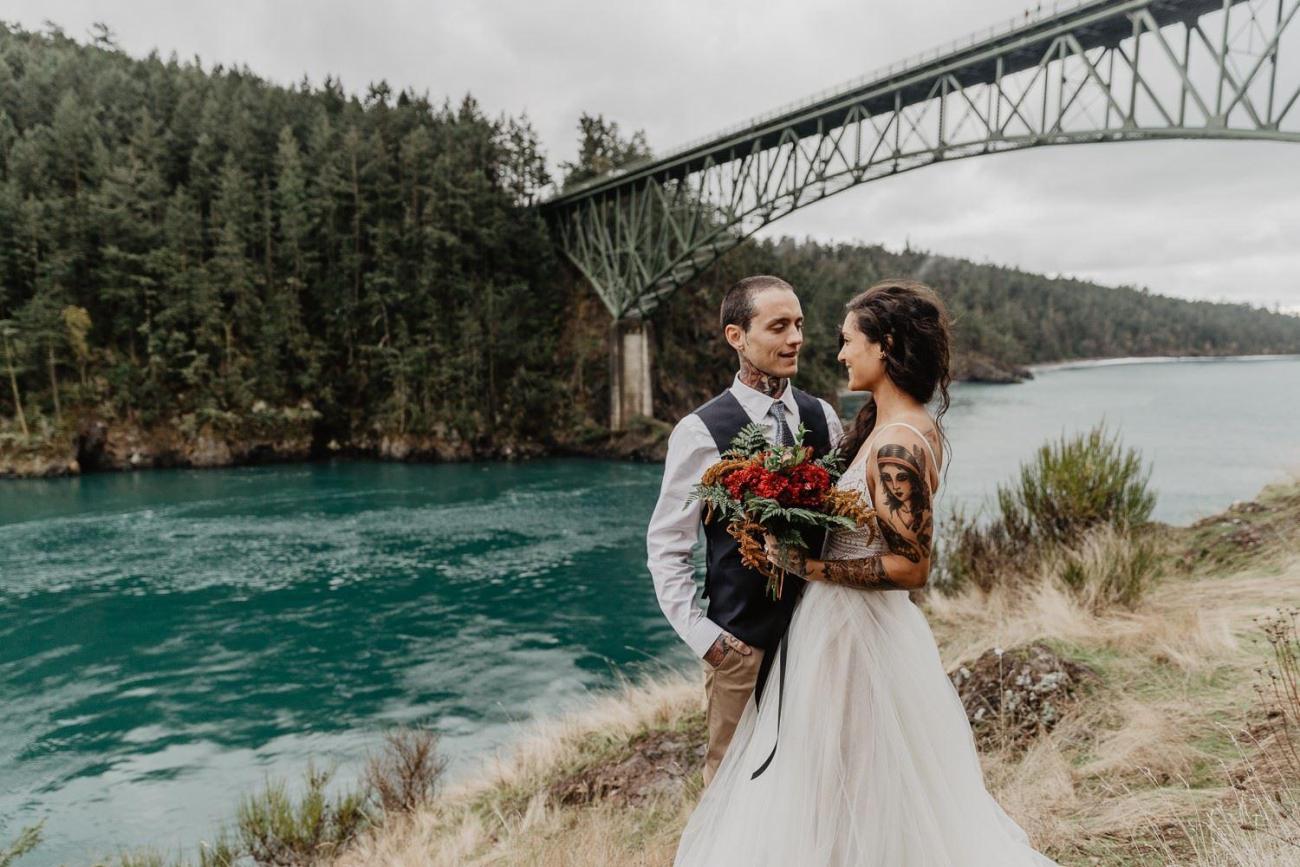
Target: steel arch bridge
[{"x": 1082, "y": 72}]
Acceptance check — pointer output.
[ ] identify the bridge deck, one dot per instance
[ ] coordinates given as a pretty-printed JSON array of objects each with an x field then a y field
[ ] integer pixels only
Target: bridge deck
[{"x": 1096, "y": 23}]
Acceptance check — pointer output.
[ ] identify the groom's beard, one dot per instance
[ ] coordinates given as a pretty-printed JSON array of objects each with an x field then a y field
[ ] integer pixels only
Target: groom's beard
[{"x": 772, "y": 386}]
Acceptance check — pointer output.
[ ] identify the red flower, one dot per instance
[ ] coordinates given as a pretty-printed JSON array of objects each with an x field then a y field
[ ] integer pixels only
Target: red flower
[
  {"x": 803, "y": 485},
  {"x": 771, "y": 485},
  {"x": 741, "y": 480},
  {"x": 808, "y": 484}
]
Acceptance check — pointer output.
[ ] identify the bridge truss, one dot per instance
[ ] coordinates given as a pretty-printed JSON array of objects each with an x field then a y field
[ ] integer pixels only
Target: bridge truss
[{"x": 1100, "y": 71}]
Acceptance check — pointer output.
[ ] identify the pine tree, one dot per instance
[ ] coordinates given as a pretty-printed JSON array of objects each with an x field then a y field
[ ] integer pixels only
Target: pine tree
[
  {"x": 232, "y": 230},
  {"x": 602, "y": 148}
]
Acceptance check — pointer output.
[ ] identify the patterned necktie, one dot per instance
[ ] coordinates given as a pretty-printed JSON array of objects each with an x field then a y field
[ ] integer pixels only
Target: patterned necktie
[{"x": 783, "y": 435}]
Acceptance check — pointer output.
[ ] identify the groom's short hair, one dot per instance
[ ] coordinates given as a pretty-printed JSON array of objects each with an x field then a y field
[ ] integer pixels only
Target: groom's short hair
[{"x": 738, "y": 303}]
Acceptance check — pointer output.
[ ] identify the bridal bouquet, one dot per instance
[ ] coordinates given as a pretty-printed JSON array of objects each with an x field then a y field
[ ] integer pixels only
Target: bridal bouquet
[{"x": 758, "y": 488}]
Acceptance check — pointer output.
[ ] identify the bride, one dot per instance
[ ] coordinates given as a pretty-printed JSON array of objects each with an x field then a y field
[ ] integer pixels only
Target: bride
[{"x": 862, "y": 754}]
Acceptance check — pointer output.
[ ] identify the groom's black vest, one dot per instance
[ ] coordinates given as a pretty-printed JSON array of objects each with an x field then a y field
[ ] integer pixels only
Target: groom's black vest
[{"x": 738, "y": 598}]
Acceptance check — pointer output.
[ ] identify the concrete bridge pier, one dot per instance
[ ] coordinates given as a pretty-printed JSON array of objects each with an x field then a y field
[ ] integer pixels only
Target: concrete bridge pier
[{"x": 629, "y": 371}]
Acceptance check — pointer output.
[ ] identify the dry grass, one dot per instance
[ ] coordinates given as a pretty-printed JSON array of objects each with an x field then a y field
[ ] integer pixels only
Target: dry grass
[
  {"x": 1245, "y": 831},
  {"x": 1140, "y": 772},
  {"x": 503, "y": 816}
]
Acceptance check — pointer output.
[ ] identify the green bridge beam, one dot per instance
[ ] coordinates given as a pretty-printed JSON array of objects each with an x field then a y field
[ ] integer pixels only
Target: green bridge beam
[{"x": 1097, "y": 71}]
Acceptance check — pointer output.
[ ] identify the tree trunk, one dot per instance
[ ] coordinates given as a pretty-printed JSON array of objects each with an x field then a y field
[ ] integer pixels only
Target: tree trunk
[
  {"x": 225, "y": 360},
  {"x": 54, "y": 384},
  {"x": 401, "y": 402},
  {"x": 13, "y": 382}
]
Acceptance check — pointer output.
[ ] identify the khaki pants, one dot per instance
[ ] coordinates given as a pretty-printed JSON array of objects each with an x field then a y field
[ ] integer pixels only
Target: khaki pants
[{"x": 727, "y": 689}]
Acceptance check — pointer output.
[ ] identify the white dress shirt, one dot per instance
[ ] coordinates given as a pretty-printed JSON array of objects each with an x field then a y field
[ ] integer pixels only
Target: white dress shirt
[{"x": 675, "y": 527}]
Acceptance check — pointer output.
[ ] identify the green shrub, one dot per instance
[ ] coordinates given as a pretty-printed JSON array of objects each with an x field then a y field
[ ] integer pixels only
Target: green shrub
[
  {"x": 406, "y": 775},
  {"x": 276, "y": 832},
  {"x": 973, "y": 552},
  {"x": 1072, "y": 511},
  {"x": 272, "y": 830},
  {"x": 1075, "y": 484},
  {"x": 222, "y": 853}
]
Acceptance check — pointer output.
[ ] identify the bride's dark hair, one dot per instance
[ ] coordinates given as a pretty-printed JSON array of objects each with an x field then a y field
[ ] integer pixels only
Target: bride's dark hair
[{"x": 912, "y": 327}]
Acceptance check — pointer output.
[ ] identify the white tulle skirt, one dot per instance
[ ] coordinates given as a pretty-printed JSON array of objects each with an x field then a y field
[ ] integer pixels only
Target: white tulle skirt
[{"x": 876, "y": 763}]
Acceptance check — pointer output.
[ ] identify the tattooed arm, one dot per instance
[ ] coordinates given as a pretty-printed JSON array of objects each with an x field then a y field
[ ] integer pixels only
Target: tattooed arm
[{"x": 899, "y": 481}]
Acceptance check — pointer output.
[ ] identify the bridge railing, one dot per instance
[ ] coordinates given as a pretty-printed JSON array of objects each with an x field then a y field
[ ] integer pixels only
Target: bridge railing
[{"x": 1041, "y": 12}]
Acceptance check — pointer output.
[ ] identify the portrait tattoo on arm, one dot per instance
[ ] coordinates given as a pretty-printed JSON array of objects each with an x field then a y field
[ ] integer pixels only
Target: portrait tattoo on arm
[
  {"x": 904, "y": 515},
  {"x": 907, "y": 521}
]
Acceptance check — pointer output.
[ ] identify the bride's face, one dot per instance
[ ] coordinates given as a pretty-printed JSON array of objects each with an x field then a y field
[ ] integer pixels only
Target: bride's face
[{"x": 860, "y": 357}]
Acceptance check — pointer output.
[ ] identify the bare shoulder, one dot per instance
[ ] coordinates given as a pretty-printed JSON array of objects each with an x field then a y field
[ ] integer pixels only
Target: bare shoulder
[{"x": 904, "y": 431}]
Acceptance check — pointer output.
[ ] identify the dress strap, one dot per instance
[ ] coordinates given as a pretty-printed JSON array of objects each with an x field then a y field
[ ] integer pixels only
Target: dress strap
[{"x": 925, "y": 442}]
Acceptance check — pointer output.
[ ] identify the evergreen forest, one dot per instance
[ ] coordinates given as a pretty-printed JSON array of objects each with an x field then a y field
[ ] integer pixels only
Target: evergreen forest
[{"x": 196, "y": 248}]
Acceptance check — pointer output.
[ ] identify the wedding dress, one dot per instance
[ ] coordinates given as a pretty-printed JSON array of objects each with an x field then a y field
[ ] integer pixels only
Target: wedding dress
[{"x": 875, "y": 764}]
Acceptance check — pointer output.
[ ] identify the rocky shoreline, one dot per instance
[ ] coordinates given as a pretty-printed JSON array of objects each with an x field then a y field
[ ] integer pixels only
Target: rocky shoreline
[
  {"x": 97, "y": 444},
  {"x": 980, "y": 368},
  {"x": 101, "y": 443}
]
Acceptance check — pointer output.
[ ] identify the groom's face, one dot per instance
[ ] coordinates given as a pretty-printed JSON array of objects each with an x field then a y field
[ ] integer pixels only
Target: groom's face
[{"x": 775, "y": 334}]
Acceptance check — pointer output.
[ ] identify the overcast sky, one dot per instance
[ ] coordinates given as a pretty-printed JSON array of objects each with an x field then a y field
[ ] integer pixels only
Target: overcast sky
[{"x": 1215, "y": 220}]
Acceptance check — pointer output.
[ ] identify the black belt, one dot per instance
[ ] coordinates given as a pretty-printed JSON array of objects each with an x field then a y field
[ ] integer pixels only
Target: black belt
[{"x": 780, "y": 694}]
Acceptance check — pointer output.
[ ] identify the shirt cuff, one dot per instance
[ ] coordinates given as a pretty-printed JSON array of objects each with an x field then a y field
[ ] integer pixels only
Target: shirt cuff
[{"x": 701, "y": 636}]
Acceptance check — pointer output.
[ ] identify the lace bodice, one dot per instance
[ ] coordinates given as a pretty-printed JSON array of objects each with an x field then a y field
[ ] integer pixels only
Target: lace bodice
[{"x": 854, "y": 544}]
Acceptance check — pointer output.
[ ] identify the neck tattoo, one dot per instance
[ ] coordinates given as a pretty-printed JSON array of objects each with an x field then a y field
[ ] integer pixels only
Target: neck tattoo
[{"x": 772, "y": 386}]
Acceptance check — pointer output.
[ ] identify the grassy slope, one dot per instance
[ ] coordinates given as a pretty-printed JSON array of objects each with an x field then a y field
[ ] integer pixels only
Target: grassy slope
[{"x": 1138, "y": 773}]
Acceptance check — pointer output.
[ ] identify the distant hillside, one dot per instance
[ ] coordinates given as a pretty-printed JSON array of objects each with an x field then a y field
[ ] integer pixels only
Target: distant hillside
[
  {"x": 1004, "y": 317},
  {"x": 1017, "y": 317},
  {"x": 199, "y": 267}
]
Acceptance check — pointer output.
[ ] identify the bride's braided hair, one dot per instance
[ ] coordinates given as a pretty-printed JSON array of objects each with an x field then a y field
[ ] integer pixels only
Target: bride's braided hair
[{"x": 912, "y": 327}]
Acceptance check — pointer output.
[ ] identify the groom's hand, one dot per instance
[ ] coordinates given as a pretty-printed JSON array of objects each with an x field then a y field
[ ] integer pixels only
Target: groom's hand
[{"x": 726, "y": 643}]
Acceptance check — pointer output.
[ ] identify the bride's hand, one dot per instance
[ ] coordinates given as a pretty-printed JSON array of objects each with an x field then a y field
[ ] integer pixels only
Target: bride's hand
[{"x": 792, "y": 561}]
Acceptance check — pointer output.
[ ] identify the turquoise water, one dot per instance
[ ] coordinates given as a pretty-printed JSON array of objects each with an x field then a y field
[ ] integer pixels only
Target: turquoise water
[
  {"x": 170, "y": 638},
  {"x": 1212, "y": 431}
]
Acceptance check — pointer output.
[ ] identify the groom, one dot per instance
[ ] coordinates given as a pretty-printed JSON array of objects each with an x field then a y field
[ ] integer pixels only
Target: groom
[{"x": 762, "y": 321}]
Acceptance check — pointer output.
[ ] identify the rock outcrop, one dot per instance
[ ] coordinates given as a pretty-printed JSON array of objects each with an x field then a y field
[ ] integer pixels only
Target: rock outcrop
[{"x": 1012, "y": 695}]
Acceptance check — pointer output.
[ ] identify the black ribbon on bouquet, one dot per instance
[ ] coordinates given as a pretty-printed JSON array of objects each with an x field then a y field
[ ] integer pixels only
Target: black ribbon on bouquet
[{"x": 780, "y": 694}]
